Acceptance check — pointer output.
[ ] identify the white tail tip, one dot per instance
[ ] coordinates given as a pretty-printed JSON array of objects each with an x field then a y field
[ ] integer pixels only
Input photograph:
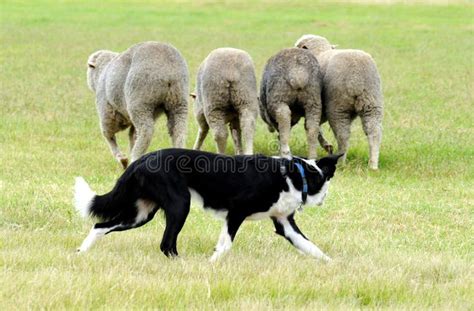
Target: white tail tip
[{"x": 83, "y": 197}]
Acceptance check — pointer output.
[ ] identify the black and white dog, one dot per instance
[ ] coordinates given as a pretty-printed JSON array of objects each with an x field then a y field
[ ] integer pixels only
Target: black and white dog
[{"x": 235, "y": 188}]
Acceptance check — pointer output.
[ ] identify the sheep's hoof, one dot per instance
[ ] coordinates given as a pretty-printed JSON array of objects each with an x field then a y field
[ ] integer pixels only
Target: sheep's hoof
[
  {"x": 374, "y": 167},
  {"x": 286, "y": 154},
  {"x": 123, "y": 161},
  {"x": 329, "y": 149}
]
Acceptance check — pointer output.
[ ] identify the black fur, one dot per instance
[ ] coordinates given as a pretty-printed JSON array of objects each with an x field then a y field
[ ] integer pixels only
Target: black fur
[{"x": 240, "y": 185}]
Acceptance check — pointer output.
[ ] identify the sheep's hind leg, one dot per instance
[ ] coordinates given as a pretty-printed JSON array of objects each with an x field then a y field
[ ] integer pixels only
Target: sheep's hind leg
[
  {"x": 216, "y": 121},
  {"x": 236, "y": 135},
  {"x": 132, "y": 137},
  {"x": 110, "y": 126},
  {"x": 144, "y": 122},
  {"x": 247, "y": 125},
  {"x": 202, "y": 132},
  {"x": 112, "y": 141},
  {"x": 324, "y": 143},
  {"x": 283, "y": 118},
  {"x": 341, "y": 126},
  {"x": 177, "y": 126},
  {"x": 312, "y": 117},
  {"x": 372, "y": 125}
]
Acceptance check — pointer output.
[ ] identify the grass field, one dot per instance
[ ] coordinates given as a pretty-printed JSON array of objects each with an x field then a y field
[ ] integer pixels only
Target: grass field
[{"x": 400, "y": 238}]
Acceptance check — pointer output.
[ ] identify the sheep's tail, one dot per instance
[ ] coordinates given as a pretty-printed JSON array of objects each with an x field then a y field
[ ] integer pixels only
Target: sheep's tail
[
  {"x": 298, "y": 77},
  {"x": 104, "y": 207}
]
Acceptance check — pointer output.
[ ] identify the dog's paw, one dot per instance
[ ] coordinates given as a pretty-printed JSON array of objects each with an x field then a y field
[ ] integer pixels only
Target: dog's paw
[
  {"x": 170, "y": 253},
  {"x": 213, "y": 259},
  {"x": 326, "y": 259}
]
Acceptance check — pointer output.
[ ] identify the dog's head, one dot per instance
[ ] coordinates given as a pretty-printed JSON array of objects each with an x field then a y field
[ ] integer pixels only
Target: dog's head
[
  {"x": 328, "y": 165},
  {"x": 318, "y": 175}
]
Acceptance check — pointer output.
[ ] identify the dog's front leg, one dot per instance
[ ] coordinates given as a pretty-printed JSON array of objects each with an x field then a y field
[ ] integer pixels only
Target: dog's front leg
[
  {"x": 286, "y": 227},
  {"x": 227, "y": 235}
]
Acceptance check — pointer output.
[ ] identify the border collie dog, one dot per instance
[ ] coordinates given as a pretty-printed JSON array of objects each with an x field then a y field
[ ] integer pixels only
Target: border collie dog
[{"x": 235, "y": 188}]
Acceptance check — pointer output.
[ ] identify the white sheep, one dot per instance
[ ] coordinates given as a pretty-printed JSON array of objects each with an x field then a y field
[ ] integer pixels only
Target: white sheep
[
  {"x": 226, "y": 90},
  {"x": 351, "y": 87},
  {"x": 133, "y": 88},
  {"x": 290, "y": 89}
]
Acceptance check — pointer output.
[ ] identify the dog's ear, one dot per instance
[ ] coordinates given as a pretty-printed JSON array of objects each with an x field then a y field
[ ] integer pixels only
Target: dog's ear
[{"x": 328, "y": 164}]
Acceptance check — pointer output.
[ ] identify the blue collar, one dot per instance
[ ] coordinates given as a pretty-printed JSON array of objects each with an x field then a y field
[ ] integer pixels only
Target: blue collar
[{"x": 304, "y": 192}]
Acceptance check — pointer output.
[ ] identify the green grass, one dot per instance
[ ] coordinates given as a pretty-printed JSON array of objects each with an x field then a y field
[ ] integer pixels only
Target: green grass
[{"x": 401, "y": 237}]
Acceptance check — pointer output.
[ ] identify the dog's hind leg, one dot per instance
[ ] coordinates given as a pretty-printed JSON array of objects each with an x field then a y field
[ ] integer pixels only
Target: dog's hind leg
[
  {"x": 146, "y": 210},
  {"x": 176, "y": 210},
  {"x": 228, "y": 232},
  {"x": 286, "y": 227},
  {"x": 95, "y": 234}
]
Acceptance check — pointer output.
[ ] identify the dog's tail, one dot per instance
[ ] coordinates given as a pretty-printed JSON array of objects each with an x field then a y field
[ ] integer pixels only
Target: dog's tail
[
  {"x": 83, "y": 197},
  {"x": 104, "y": 207}
]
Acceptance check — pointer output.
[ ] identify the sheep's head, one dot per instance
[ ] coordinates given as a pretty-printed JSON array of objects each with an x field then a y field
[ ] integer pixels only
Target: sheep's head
[
  {"x": 95, "y": 65},
  {"x": 316, "y": 44}
]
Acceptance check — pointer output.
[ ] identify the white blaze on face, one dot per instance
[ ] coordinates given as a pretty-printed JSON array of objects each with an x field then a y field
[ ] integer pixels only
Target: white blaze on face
[
  {"x": 318, "y": 198},
  {"x": 313, "y": 164}
]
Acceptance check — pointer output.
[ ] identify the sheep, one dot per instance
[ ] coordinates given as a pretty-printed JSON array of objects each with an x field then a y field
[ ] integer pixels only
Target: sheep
[
  {"x": 290, "y": 89},
  {"x": 226, "y": 92},
  {"x": 351, "y": 87},
  {"x": 134, "y": 88}
]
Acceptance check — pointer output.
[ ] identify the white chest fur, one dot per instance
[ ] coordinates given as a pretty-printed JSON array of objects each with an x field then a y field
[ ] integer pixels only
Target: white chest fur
[
  {"x": 291, "y": 200},
  {"x": 318, "y": 198},
  {"x": 287, "y": 203}
]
